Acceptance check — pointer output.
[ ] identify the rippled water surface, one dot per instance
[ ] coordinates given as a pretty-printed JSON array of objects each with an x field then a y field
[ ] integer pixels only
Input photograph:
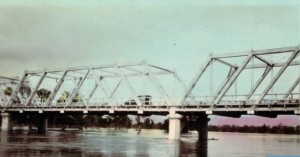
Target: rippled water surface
[{"x": 148, "y": 143}]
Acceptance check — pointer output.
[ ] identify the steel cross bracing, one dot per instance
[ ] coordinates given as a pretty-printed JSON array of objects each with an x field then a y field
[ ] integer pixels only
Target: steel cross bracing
[
  {"x": 101, "y": 75},
  {"x": 263, "y": 60}
]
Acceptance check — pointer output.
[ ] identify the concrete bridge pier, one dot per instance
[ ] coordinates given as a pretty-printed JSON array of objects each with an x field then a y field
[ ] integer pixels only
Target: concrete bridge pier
[
  {"x": 202, "y": 122},
  {"x": 174, "y": 125},
  {"x": 42, "y": 124},
  {"x": 6, "y": 122}
]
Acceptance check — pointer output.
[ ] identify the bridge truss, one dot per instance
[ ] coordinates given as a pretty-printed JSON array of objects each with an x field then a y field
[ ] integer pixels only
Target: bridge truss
[
  {"x": 65, "y": 87},
  {"x": 261, "y": 82},
  {"x": 262, "y": 69}
]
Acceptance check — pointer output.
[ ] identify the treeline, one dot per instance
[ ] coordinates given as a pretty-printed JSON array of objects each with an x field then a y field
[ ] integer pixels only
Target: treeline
[
  {"x": 279, "y": 129},
  {"x": 98, "y": 121}
]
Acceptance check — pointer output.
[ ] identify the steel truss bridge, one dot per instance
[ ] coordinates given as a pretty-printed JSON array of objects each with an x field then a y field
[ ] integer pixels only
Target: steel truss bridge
[{"x": 231, "y": 84}]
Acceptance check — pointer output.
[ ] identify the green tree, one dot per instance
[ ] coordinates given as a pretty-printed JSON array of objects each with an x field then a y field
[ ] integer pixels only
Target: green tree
[
  {"x": 77, "y": 98},
  {"x": 64, "y": 96},
  {"x": 25, "y": 90},
  {"x": 43, "y": 94},
  {"x": 8, "y": 91},
  {"x": 147, "y": 123}
]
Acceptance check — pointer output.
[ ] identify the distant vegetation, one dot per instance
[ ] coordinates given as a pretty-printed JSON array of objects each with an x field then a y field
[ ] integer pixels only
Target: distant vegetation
[
  {"x": 98, "y": 121},
  {"x": 279, "y": 129},
  {"x": 81, "y": 121}
]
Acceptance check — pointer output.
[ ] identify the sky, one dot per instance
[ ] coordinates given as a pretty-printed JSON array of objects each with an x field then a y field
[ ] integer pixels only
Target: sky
[{"x": 173, "y": 34}]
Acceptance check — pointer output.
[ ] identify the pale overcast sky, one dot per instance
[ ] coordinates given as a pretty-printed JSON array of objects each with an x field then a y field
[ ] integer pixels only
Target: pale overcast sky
[
  {"x": 51, "y": 34},
  {"x": 174, "y": 34}
]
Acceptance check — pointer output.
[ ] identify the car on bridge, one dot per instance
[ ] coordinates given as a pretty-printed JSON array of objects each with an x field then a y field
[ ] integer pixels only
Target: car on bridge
[{"x": 145, "y": 100}]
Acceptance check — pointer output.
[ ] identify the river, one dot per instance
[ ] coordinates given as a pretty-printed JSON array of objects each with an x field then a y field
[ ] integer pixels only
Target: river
[{"x": 147, "y": 143}]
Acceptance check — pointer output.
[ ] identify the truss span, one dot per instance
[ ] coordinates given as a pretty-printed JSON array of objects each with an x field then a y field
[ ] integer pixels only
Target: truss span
[
  {"x": 137, "y": 83},
  {"x": 250, "y": 80}
]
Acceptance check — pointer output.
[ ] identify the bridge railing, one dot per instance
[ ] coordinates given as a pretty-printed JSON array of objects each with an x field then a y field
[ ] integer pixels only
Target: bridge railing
[
  {"x": 154, "y": 101},
  {"x": 242, "y": 100},
  {"x": 231, "y": 100}
]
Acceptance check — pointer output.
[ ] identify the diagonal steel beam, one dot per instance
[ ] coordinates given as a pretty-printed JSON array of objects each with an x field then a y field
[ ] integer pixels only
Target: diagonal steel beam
[
  {"x": 16, "y": 91},
  {"x": 115, "y": 89},
  {"x": 35, "y": 89},
  {"x": 56, "y": 89},
  {"x": 224, "y": 62},
  {"x": 264, "y": 60},
  {"x": 183, "y": 85},
  {"x": 231, "y": 72},
  {"x": 195, "y": 80},
  {"x": 258, "y": 82},
  {"x": 131, "y": 89},
  {"x": 290, "y": 90},
  {"x": 2, "y": 89},
  {"x": 75, "y": 91},
  {"x": 257, "y": 66},
  {"x": 92, "y": 92},
  {"x": 157, "y": 84},
  {"x": 269, "y": 66},
  {"x": 99, "y": 83},
  {"x": 160, "y": 68},
  {"x": 233, "y": 78},
  {"x": 279, "y": 73}
]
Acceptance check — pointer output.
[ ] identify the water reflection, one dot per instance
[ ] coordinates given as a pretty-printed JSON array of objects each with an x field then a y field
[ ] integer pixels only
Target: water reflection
[
  {"x": 148, "y": 143},
  {"x": 195, "y": 148},
  {"x": 201, "y": 147},
  {"x": 4, "y": 136}
]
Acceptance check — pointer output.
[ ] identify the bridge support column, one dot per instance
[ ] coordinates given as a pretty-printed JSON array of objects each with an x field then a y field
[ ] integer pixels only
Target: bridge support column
[
  {"x": 202, "y": 122},
  {"x": 202, "y": 127},
  {"x": 6, "y": 122},
  {"x": 42, "y": 124},
  {"x": 174, "y": 125}
]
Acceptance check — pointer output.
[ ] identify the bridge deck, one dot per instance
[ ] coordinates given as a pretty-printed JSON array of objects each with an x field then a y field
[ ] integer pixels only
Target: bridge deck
[{"x": 225, "y": 110}]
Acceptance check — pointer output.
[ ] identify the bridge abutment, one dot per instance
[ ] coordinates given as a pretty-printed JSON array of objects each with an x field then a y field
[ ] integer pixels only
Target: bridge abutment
[
  {"x": 174, "y": 125},
  {"x": 42, "y": 124},
  {"x": 6, "y": 122}
]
